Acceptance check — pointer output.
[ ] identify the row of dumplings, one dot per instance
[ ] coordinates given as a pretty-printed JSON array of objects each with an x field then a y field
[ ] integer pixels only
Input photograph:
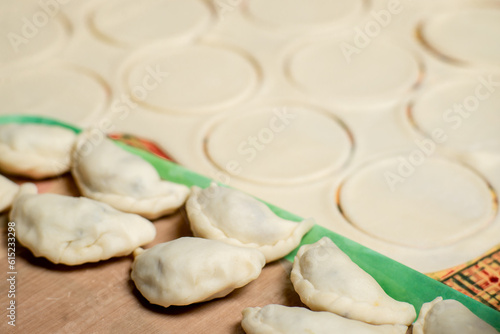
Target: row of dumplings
[
  {"x": 102, "y": 171},
  {"x": 235, "y": 235},
  {"x": 120, "y": 185},
  {"x": 342, "y": 298},
  {"x": 122, "y": 191}
]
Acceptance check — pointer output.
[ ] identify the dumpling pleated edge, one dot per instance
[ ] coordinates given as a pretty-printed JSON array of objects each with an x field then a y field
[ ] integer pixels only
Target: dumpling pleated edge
[
  {"x": 202, "y": 227},
  {"x": 311, "y": 296}
]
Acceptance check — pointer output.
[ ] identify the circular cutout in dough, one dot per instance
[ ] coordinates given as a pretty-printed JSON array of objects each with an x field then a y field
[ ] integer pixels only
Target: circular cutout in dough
[
  {"x": 466, "y": 36},
  {"x": 301, "y": 13},
  {"x": 466, "y": 113},
  {"x": 135, "y": 23},
  {"x": 29, "y": 32},
  {"x": 279, "y": 145},
  {"x": 192, "y": 79},
  {"x": 417, "y": 202},
  {"x": 380, "y": 72},
  {"x": 67, "y": 93}
]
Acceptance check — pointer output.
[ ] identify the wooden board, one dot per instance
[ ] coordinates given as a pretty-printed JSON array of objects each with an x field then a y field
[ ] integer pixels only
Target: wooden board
[{"x": 101, "y": 297}]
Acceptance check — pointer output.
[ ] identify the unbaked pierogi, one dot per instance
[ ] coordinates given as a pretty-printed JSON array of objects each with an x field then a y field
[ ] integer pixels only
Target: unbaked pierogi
[
  {"x": 190, "y": 270},
  {"x": 75, "y": 230},
  {"x": 105, "y": 172},
  {"x": 239, "y": 219},
  {"x": 327, "y": 280}
]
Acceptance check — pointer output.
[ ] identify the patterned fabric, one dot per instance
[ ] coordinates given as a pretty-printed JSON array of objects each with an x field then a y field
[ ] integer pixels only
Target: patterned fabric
[
  {"x": 140, "y": 143},
  {"x": 479, "y": 278}
]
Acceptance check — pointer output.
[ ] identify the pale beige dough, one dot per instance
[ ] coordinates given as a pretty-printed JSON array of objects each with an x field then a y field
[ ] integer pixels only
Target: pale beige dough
[
  {"x": 465, "y": 110},
  {"x": 75, "y": 230},
  {"x": 194, "y": 79},
  {"x": 30, "y": 35},
  {"x": 107, "y": 173},
  {"x": 135, "y": 23},
  {"x": 302, "y": 14},
  {"x": 439, "y": 202},
  {"x": 252, "y": 138},
  {"x": 35, "y": 151},
  {"x": 278, "y": 319},
  {"x": 326, "y": 279},
  {"x": 373, "y": 77},
  {"x": 449, "y": 317},
  {"x": 190, "y": 270},
  {"x": 239, "y": 219},
  {"x": 468, "y": 35},
  {"x": 8, "y": 190},
  {"x": 85, "y": 93}
]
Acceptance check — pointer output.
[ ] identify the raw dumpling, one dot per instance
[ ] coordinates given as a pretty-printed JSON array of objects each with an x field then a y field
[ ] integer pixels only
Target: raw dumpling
[
  {"x": 190, "y": 270},
  {"x": 449, "y": 317},
  {"x": 327, "y": 280},
  {"x": 234, "y": 217},
  {"x": 8, "y": 190},
  {"x": 36, "y": 151},
  {"x": 75, "y": 230},
  {"x": 107, "y": 173},
  {"x": 278, "y": 319}
]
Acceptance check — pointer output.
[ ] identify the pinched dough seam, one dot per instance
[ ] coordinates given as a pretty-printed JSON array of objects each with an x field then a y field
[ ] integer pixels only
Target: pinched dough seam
[
  {"x": 305, "y": 287},
  {"x": 208, "y": 223},
  {"x": 283, "y": 245},
  {"x": 95, "y": 243},
  {"x": 160, "y": 204},
  {"x": 46, "y": 166},
  {"x": 418, "y": 326},
  {"x": 259, "y": 324}
]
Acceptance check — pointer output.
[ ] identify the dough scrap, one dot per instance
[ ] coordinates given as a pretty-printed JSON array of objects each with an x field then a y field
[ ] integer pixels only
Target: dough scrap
[
  {"x": 36, "y": 151},
  {"x": 190, "y": 270},
  {"x": 75, "y": 230},
  {"x": 278, "y": 319},
  {"x": 449, "y": 317},
  {"x": 8, "y": 191},
  {"x": 236, "y": 218},
  {"x": 107, "y": 173},
  {"x": 327, "y": 280}
]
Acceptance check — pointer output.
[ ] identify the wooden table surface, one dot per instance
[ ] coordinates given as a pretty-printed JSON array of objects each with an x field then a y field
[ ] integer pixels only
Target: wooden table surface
[{"x": 101, "y": 297}]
